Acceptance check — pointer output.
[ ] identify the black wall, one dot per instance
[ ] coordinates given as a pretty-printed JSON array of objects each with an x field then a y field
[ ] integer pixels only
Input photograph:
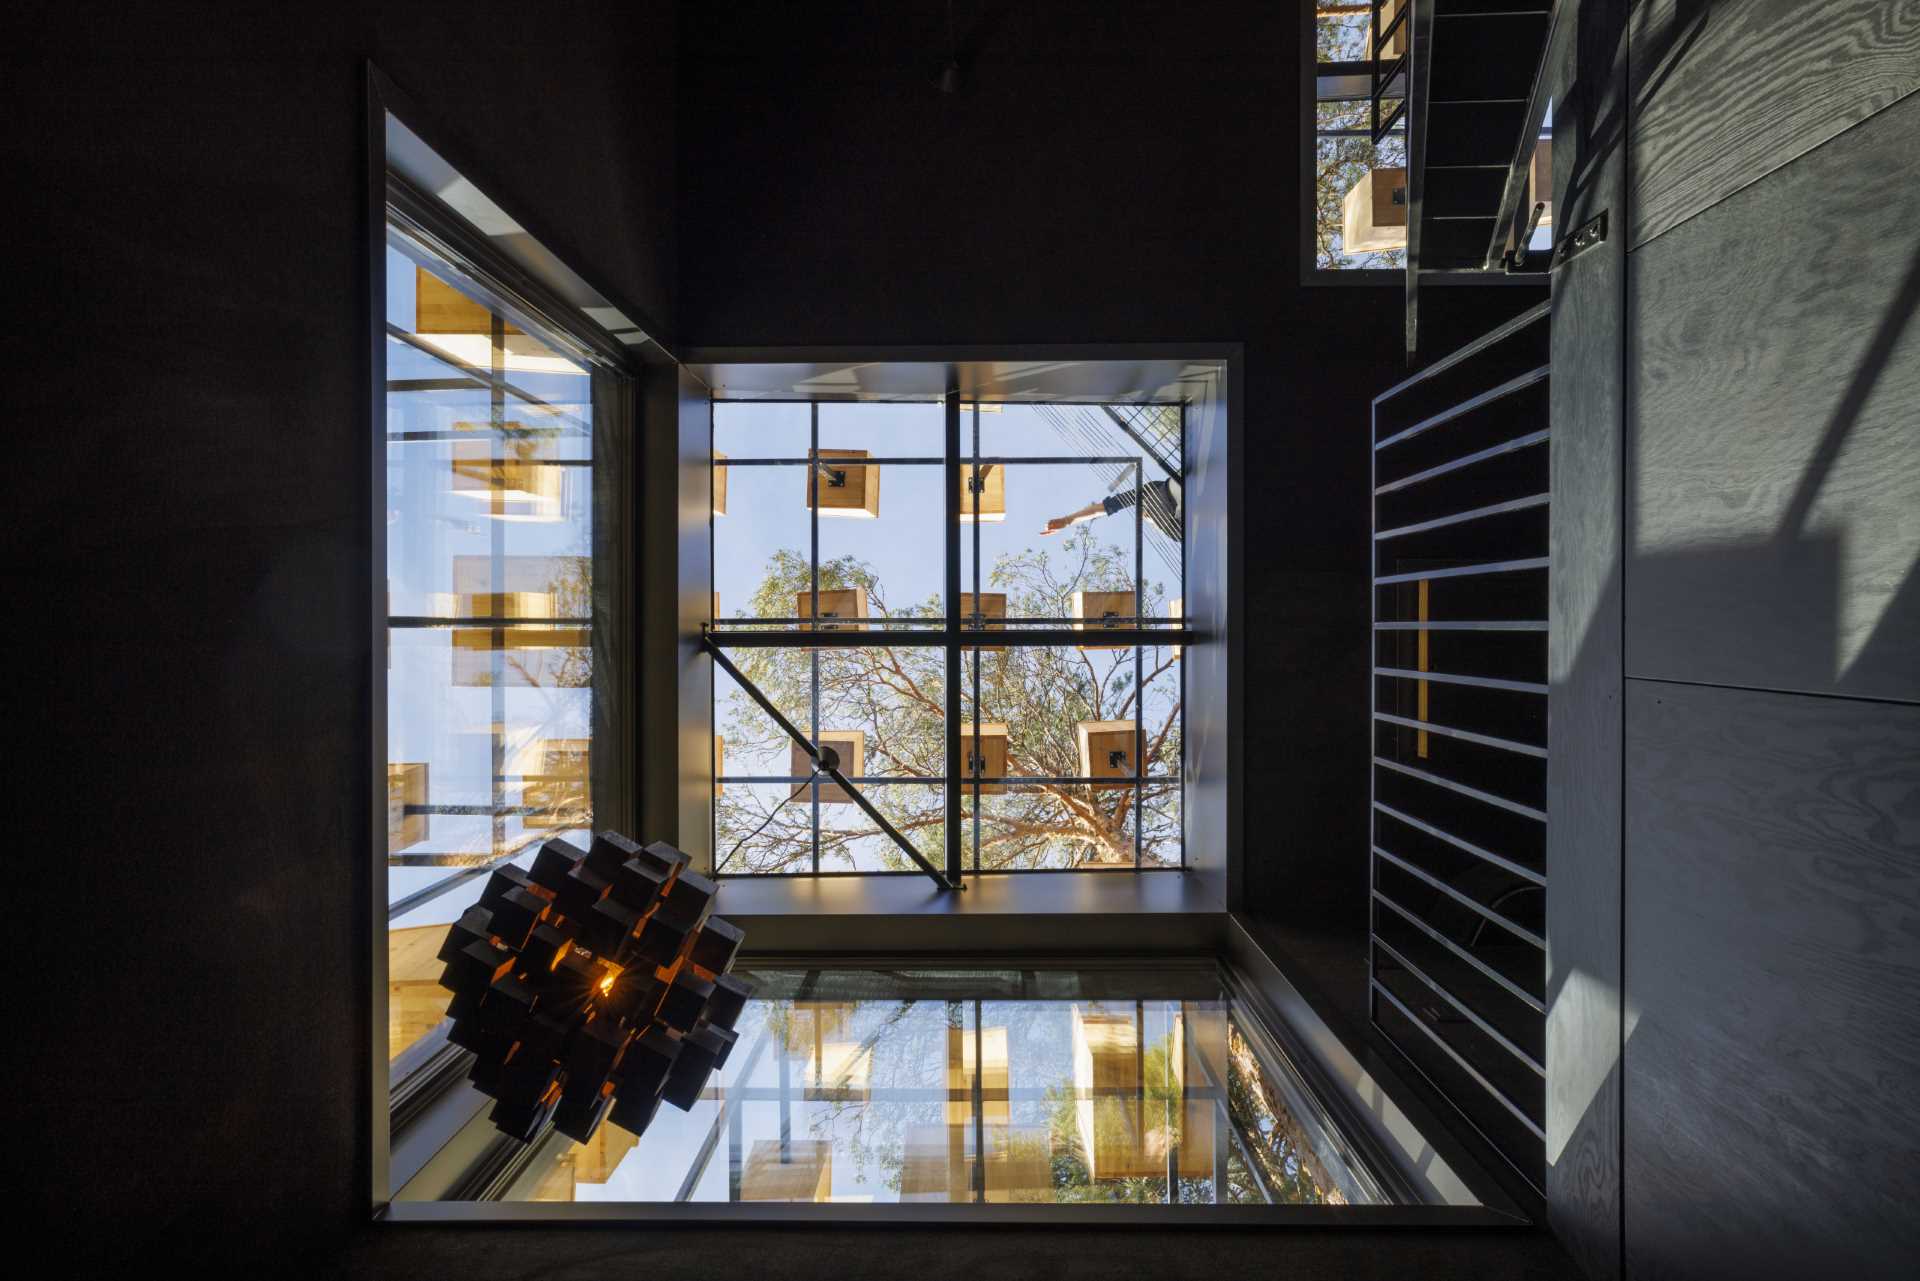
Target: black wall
[
  {"x": 187, "y": 387},
  {"x": 1105, "y": 173},
  {"x": 1739, "y": 664}
]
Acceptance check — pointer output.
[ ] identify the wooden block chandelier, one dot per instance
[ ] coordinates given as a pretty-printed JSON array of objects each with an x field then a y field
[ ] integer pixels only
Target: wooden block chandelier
[{"x": 592, "y": 987}]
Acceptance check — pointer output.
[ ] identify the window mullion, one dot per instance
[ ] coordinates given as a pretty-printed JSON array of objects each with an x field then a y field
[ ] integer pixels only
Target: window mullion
[{"x": 951, "y": 454}]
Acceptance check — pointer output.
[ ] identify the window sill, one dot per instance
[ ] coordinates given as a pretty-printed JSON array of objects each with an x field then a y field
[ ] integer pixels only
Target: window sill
[{"x": 1089, "y": 912}]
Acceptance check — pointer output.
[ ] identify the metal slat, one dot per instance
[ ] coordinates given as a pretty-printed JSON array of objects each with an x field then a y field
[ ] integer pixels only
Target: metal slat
[
  {"x": 1478, "y": 682},
  {"x": 1472, "y": 1017},
  {"x": 1465, "y": 407},
  {"x": 1463, "y": 899},
  {"x": 1506, "y": 984},
  {"x": 1510, "y": 625},
  {"x": 1453, "y": 360},
  {"x": 1493, "y": 1092},
  {"x": 1465, "y": 735},
  {"x": 1467, "y": 460},
  {"x": 1525, "y": 811},
  {"x": 1460, "y": 843},
  {"x": 1461, "y": 518},
  {"x": 1463, "y": 571}
]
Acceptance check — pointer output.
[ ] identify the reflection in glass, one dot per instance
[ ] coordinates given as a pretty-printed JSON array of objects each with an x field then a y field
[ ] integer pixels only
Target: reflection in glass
[
  {"x": 986, "y": 1087},
  {"x": 489, "y": 517}
]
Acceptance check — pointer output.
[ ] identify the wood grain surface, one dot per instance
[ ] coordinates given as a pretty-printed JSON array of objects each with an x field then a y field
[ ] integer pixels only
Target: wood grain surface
[
  {"x": 1727, "y": 91},
  {"x": 1773, "y": 979},
  {"x": 1584, "y": 662},
  {"x": 1775, "y": 429}
]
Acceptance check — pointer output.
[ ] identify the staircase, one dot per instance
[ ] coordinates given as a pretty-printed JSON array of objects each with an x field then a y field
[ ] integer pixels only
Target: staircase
[{"x": 1467, "y": 76}]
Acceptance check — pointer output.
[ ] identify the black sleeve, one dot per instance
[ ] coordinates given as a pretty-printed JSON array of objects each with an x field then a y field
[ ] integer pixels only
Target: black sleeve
[{"x": 1118, "y": 502}]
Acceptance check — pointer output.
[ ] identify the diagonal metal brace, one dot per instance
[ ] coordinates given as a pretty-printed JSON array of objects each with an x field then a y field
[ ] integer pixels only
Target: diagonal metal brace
[{"x": 824, "y": 762}]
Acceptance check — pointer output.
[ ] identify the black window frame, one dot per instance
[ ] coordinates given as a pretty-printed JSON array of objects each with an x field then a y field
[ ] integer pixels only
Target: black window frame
[{"x": 958, "y": 637}]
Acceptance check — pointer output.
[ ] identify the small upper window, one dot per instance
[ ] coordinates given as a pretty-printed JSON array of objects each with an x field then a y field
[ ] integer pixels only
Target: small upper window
[{"x": 1359, "y": 186}]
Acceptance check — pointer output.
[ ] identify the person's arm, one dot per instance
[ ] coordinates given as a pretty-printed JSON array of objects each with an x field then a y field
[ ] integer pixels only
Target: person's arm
[{"x": 1088, "y": 512}]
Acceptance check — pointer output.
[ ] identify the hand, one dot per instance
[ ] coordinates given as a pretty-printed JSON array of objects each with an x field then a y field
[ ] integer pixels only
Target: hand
[{"x": 1057, "y": 524}]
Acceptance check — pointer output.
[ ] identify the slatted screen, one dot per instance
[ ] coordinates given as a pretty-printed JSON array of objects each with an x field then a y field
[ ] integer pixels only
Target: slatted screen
[{"x": 1458, "y": 866}]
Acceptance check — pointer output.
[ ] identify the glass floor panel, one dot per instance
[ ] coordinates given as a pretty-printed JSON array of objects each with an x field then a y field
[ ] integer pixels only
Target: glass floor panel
[{"x": 981, "y": 1086}]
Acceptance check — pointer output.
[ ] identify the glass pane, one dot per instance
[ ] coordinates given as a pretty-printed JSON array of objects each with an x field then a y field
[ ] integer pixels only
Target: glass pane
[
  {"x": 850, "y": 841},
  {"x": 886, "y": 430},
  {"x": 763, "y": 828},
  {"x": 1034, "y": 573},
  {"x": 984, "y": 1087},
  {"x": 760, "y": 545},
  {"x": 489, "y": 502},
  {"x": 748, "y": 429},
  {"x": 883, "y": 531},
  {"x": 1343, "y": 32},
  {"x": 1162, "y": 840}
]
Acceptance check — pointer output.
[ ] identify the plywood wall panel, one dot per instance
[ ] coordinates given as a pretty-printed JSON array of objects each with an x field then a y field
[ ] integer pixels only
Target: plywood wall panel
[
  {"x": 1727, "y": 91},
  {"x": 1775, "y": 429},
  {"x": 1773, "y": 970}
]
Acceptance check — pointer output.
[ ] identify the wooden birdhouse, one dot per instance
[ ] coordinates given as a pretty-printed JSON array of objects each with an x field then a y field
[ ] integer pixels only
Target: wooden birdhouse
[
  {"x": 439, "y": 308},
  {"x": 1107, "y": 749},
  {"x": 462, "y": 328},
  {"x": 788, "y": 1170},
  {"x": 983, "y": 489},
  {"x": 719, "y": 764},
  {"x": 406, "y": 785},
  {"x": 835, "y": 602},
  {"x": 595, "y": 1160},
  {"x": 1176, "y": 610},
  {"x": 1396, "y": 44},
  {"x": 985, "y": 758},
  {"x": 504, "y": 604},
  {"x": 991, "y": 605},
  {"x": 1099, "y": 606},
  {"x": 415, "y": 1000},
  {"x": 808, "y": 1026},
  {"x": 518, "y": 587},
  {"x": 845, "y": 1068},
  {"x": 1373, "y": 217},
  {"x": 939, "y": 1158},
  {"x": 851, "y": 744},
  {"x": 852, "y": 490},
  {"x": 558, "y": 792},
  {"x": 535, "y": 655},
  {"x": 514, "y": 481},
  {"x": 719, "y": 484},
  {"x": 1135, "y": 1126}
]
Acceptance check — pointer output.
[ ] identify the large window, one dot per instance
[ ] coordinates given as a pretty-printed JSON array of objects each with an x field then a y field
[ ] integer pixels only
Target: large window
[
  {"x": 493, "y": 549},
  {"x": 947, "y": 662}
]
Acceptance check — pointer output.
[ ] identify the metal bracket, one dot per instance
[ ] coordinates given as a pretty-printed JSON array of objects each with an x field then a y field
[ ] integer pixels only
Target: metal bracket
[
  {"x": 1584, "y": 238},
  {"x": 977, "y": 482},
  {"x": 1517, "y": 256},
  {"x": 828, "y": 762},
  {"x": 836, "y": 478}
]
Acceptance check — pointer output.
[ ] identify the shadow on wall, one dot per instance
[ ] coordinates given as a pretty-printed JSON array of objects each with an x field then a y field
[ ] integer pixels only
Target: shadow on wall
[
  {"x": 1769, "y": 870},
  {"x": 1828, "y": 599}
]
